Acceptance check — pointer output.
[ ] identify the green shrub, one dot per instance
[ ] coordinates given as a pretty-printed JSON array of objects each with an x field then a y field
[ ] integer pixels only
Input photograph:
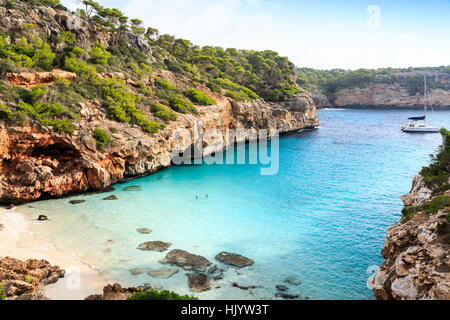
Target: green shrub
[
  {"x": 67, "y": 37},
  {"x": 121, "y": 106},
  {"x": 408, "y": 213},
  {"x": 102, "y": 138},
  {"x": 436, "y": 174},
  {"x": 163, "y": 112},
  {"x": 180, "y": 105},
  {"x": 43, "y": 58},
  {"x": 48, "y": 114},
  {"x": 199, "y": 97},
  {"x": 165, "y": 84},
  {"x": 99, "y": 54},
  {"x": 81, "y": 68},
  {"x": 447, "y": 217},
  {"x": 5, "y": 112},
  {"x": 2, "y": 296},
  {"x": 60, "y": 125},
  {"x": 439, "y": 202},
  {"x": 29, "y": 279},
  {"x": 147, "y": 91},
  {"x": 160, "y": 295}
]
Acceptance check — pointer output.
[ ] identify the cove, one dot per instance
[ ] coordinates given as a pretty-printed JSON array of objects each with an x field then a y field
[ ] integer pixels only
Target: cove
[{"x": 321, "y": 219}]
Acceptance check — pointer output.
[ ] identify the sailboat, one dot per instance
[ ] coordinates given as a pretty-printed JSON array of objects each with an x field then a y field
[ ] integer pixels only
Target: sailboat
[{"x": 419, "y": 124}]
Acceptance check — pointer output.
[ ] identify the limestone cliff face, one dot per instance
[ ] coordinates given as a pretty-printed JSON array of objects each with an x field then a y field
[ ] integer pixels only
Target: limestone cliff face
[
  {"x": 383, "y": 95},
  {"x": 417, "y": 257},
  {"x": 36, "y": 162}
]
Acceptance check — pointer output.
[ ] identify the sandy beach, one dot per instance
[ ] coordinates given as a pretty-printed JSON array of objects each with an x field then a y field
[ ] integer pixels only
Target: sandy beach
[{"x": 80, "y": 281}]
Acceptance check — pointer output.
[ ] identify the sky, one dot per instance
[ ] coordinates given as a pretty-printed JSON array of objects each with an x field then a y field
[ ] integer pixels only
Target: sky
[{"x": 322, "y": 34}]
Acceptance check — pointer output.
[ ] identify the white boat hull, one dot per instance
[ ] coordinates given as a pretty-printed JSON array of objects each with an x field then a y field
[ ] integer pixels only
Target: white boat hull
[{"x": 420, "y": 129}]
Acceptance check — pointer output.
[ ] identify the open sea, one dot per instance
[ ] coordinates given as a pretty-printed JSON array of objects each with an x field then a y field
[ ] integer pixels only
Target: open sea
[{"x": 321, "y": 219}]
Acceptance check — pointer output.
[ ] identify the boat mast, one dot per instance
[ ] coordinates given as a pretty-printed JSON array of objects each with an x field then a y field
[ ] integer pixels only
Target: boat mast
[{"x": 425, "y": 95}]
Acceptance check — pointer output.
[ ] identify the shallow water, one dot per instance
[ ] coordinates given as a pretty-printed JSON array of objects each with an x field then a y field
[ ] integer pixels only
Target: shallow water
[{"x": 321, "y": 219}]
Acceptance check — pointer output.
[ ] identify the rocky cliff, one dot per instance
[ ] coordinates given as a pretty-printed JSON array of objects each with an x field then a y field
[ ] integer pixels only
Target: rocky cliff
[
  {"x": 417, "y": 249},
  {"x": 137, "y": 115},
  {"x": 36, "y": 162},
  {"x": 384, "y": 95}
]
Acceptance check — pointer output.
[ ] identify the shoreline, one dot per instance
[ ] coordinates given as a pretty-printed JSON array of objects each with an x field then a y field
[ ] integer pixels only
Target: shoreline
[{"x": 80, "y": 280}]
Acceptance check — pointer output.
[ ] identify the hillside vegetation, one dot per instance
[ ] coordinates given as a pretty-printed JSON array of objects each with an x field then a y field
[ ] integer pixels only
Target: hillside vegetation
[
  {"x": 149, "y": 103},
  {"x": 332, "y": 81}
]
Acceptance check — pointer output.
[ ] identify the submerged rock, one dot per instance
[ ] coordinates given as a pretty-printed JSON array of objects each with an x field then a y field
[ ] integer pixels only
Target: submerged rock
[
  {"x": 137, "y": 271},
  {"x": 293, "y": 281},
  {"x": 198, "y": 282},
  {"x": 144, "y": 230},
  {"x": 280, "y": 287},
  {"x": 286, "y": 296},
  {"x": 187, "y": 261},
  {"x": 162, "y": 273},
  {"x": 234, "y": 259},
  {"x": 155, "y": 246},
  {"x": 234, "y": 284},
  {"x": 42, "y": 218},
  {"x": 113, "y": 197},
  {"x": 132, "y": 188},
  {"x": 76, "y": 201},
  {"x": 217, "y": 274}
]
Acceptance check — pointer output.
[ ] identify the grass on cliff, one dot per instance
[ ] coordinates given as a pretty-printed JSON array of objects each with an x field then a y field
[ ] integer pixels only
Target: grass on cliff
[
  {"x": 2, "y": 296},
  {"x": 431, "y": 207},
  {"x": 102, "y": 138},
  {"x": 160, "y": 295},
  {"x": 437, "y": 174}
]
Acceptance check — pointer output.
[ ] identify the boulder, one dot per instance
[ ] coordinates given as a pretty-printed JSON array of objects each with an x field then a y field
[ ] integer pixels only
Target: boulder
[
  {"x": 162, "y": 273},
  {"x": 25, "y": 277},
  {"x": 234, "y": 259},
  {"x": 286, "y": 296},
  {"x": 76, "y": 201},
  {"x": 236, "y": 285},
  {"x": 280, "y": 287},
  {"x": 293, "y": 281},
  {"x": 198, "y": 282},
  {"x": 144, "y": 230},
  {"x": 113, "y": 197},
  {"x": 154, "y": 246},
  {"x": 187, "y": 261},
  {"x": 137, "y": 271},
  {"x": 132, "y": 188}
]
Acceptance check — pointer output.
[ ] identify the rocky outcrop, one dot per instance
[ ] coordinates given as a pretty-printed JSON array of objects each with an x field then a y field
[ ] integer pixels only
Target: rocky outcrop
[
  {"x": 163, "y": 273},
  {"x": 186, "y": 260},
  {"x": 115, "y": 292},
  {"x": 38, "y": 163},
  {"x": 30, "y": 79},
  {"x": 417, "y": 257},
  {"x": 388, "y": 95},
  {"x": 20, "y": 278},
  {"x": 198, "y": 282},
  {"x": 154, "y": 246},
  {"x": 320, "y": 99},
  {"x": 234, "y": 259}
]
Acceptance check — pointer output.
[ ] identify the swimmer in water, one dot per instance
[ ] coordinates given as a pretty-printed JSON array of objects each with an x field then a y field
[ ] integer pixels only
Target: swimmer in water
[
  {"x": 196, "y": 197},
  {"x": 207, "y": 195}
]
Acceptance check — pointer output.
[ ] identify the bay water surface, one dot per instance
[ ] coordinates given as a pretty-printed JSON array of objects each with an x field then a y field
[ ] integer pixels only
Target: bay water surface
[{"x": 321, "y": 219}]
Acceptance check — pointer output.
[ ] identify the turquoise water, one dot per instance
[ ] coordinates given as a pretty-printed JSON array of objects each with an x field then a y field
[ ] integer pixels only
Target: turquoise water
[{"x": 321, "y": 219}]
